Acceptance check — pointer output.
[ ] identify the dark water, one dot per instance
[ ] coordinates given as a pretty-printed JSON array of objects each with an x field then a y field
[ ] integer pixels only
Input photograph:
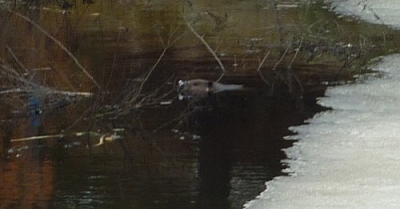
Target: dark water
[
  {"x": 169, "y": 154},
  {"x": 238, "y": 150}
]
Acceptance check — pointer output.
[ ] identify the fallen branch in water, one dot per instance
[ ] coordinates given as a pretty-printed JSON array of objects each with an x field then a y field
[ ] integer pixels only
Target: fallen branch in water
[
  {"x": 48, "y": 91},
  {"x": 37, "y": 138},
  {"x": 21, "y": 84},
  {"x": 77, "y": 134},
  {"x": 108, "y": 138},
  {"x": 105, "y": 137}
]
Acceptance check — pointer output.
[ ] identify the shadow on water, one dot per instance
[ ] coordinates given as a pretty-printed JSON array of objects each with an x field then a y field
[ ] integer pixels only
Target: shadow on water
[{"x": 240, "y": 145}]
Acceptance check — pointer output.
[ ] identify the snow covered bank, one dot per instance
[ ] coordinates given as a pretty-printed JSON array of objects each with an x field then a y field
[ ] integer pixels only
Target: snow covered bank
[
  {"x": 348, "y": 157},
  {"x": 374, "y": 11}
]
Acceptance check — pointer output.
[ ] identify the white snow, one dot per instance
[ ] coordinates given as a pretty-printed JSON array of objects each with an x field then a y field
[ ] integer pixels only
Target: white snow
[
  {"x": 374, "y": 11},
  {"x": 348, "y": 157}
]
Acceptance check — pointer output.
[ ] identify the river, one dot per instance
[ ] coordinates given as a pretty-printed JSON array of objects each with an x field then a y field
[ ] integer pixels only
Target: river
[{"x": 90, "y": 116}]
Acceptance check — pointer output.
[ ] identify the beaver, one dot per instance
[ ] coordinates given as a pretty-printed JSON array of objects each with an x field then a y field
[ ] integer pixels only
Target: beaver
[{"x": 198, "y": 89}]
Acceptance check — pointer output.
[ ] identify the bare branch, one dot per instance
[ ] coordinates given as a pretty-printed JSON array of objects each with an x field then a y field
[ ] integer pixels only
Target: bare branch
[
  {"x": 259, "y": 68},
  {"x": 20, "y": 84},
  {"x": 134, "y": 99},
  {"x": 280, "y": 60},
  {"x": 37, "y": 138},
  {"x": 48, "y": 91},
  {"x": 262, "y": 61},
  {"x": 16, "y": 59},
  {"x": 208, "y": 47},
  {"x": 297, "y": 52},
  {"x": 290, "y": 65},
  {"x": 59, "y": 44}
]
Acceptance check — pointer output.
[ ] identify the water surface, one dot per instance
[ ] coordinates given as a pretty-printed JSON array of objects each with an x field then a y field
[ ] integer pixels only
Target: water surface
[{"x": 169, "y": 153}]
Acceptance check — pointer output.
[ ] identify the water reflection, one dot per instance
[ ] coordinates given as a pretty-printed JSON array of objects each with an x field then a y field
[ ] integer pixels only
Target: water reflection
[
  {"x": 240, "y": 146},
  {"x": 27, "y": 183},
  {"x": 27, "y": 171},
  {"x": 215, "y": 160}
]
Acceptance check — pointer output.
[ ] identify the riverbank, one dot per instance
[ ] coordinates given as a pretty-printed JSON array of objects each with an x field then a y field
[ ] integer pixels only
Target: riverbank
[{"x": 347, "y": 157}]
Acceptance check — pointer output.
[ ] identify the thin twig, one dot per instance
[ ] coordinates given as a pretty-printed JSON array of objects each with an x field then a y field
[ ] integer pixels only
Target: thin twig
[
  {"x": 297, "y": 52},
  {"x": 298, "y": 81},
  {"x": 16, "y": 59},
  {"x": 75, "y": 134},
  {"x": 147, "y": 76},
  {"x": 262, "y": 61},
  {"x": 280, "y": 60},
  {"x": 208, "y": 47},
  {"x": 60, "y": 45},
  {"x": 31, "y": 87},
  {"x": 166, "y": 45},
  {"x": 290, "y": 65},
  {"x": 312, "y": 25},
  {"x": 37, "y": 138},
  {"x": 259, "y": 68},
  {"x": 36, "y": 88},
  {"x": 278, "y": 20}
]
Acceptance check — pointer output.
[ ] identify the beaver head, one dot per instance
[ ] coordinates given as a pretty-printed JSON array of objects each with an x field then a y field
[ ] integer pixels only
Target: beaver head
[
  {"x": 195, "y": 89},
  {"x": 198, "y": 89}
]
